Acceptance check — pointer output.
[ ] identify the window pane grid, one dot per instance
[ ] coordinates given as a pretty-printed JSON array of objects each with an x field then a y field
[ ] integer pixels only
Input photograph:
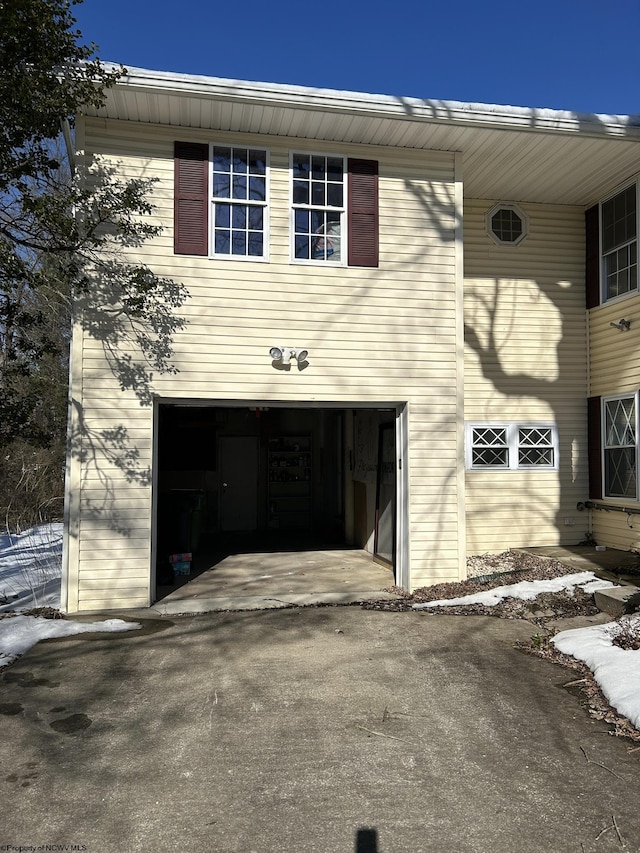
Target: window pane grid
[
  {"x": 620, "y": 423},
  {"x": 619, "y": 231},
  {"x": 512, "y": 446},
  {"x": 490, "y": 456},
  {"x": 318, "y": 199},
  {"x": 620, "y": 448},
  {"x": 506, "y": 225},
  {"x": 621, "y": 270},
  {"x": 239, "y": 190},
  {"x": 489, "y": 447},
  {"x": 490, "y": 437},
  {"x": 535, "y": 446},
  {"x": 620, "y": 472},
  {"x": 619, "y": 219}
]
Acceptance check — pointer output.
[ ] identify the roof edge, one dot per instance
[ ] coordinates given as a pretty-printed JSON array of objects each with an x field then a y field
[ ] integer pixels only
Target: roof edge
[{"x": 389, "y": 106}]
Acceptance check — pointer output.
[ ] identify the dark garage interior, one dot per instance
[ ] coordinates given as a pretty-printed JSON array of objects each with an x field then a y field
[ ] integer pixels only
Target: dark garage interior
[{"x": 247, "y": 479}]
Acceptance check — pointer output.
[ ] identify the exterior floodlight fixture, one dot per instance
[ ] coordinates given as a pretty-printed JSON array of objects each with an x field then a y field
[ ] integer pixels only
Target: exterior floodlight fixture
[
  {"x": 622, "y": 325},
  {"x": 285, "y": 354}
]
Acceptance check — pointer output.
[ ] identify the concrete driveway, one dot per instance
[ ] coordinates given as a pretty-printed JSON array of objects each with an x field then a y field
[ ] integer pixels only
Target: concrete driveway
[{"x": 328, "y": 729}]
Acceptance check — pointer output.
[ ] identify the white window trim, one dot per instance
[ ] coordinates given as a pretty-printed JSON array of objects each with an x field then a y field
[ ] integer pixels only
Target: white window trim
[
  {"x": 635, "y": 395},
  {"x": 489, "y": 226},
  {"x": 512, "y": 445},
  {"x": 264, "y": 258},
  {"x": 603, "y": 279},
  {"x": 343, "y": 216}
]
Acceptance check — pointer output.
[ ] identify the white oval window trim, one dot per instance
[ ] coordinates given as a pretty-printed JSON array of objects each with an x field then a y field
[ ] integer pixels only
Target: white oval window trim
[{"x": 506, "y": 224}]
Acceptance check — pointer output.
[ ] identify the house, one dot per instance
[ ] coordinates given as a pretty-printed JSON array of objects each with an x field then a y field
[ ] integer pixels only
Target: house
[{"x": 412, "y": 326}]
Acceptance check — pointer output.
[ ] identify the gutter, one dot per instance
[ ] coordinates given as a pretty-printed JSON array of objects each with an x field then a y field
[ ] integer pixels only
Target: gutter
[{"x": 455, "y": 113}]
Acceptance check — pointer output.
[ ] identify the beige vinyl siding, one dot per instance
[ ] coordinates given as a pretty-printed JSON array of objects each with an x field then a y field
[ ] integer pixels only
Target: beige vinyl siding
[
  {"x": 615, "y": 369},
  {"x": 614, "y": 355},
  {"x": 616, "y": 529},
  {"x": 373, "y": 335},
  {"x": 524, "y": 311}
]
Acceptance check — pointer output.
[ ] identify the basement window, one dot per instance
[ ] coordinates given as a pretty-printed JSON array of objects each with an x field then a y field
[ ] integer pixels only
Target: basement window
[
  {"x": 511, "y": 446},
  {"x": 507, "y": 224}
]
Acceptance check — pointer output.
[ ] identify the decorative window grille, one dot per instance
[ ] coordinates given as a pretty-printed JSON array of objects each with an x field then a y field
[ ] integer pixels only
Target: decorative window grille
[
  {"x": 511, "y": 446},
  {"x": 489, "y": 447},
  {"x": 535, "y": 446},
  {"x": 620, "y": 447}
]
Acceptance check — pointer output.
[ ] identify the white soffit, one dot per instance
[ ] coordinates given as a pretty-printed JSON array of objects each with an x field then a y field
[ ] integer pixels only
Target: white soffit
[{"x": 509, "y": 153}]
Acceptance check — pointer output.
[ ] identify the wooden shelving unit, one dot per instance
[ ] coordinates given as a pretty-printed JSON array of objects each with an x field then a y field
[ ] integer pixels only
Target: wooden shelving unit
[{"x": 290, "y": 470}]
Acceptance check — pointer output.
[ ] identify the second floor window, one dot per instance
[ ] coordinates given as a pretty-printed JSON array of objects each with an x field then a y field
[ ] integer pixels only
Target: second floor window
[
  {"x": 620, "y": 243},
  {"x": 239, "y": 198},
  {"x": 221, "y": 205},
  {"x": 220, "y": 200},
  {"x": 612, "y": 232},
  {"x": 318, "y": 196}
]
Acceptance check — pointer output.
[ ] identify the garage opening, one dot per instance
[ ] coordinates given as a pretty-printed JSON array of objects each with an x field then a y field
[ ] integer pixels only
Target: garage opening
[{"x": 243, "y": 480}]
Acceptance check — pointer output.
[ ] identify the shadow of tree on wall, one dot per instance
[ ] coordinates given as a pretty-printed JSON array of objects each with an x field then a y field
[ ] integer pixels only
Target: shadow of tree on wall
[
  {"x": 486, "y": 329},
  {"x": 562, "y": 391},
  {"x": 133, "y": 314},
  {"x": 93, "y": 447},
  {"x": 106, "y": 323}
]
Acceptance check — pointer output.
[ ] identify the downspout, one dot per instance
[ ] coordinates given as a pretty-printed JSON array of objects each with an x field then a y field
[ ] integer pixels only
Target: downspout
[
  {"x": 461, "y": 475},
  {"x": 64, "y": 581},
  {"x": 588, "y": 346},
  {"x": 71, "y": 154}
]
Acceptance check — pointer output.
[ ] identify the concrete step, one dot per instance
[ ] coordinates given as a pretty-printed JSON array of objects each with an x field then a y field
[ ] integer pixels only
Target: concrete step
[{"x": 618, "y": 600}]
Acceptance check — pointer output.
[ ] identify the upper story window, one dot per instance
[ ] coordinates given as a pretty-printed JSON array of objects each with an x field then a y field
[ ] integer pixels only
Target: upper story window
[
  {"x": 334, "y": 210},
  {"x": 318, "y": 202},
  {"x": 612, "y": 247},
  {"x": 507, "y": 224},
  {"x": 511, "y": 446},
  {"x": 221, "y": 200},
  {"x": 620, "y": 243},
  {"x": 221, "y": 205},
  {"x": 239, "y": 200}
]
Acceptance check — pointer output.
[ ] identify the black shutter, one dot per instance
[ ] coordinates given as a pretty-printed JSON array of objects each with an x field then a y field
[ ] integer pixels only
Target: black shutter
[
  {"x": 363, "y": 213},
  {"x": 594, "y": 446},
  {"x": 191, "y": 202},
  {"x": 592, "y": 259}
]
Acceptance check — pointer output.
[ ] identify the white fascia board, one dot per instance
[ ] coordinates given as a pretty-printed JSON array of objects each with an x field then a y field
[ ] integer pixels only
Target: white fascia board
[{"x": 384, "y": 106}]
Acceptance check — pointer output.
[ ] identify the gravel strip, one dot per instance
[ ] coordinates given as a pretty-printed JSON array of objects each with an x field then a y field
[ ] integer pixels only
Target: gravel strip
[{"x": 488, "y": 571}]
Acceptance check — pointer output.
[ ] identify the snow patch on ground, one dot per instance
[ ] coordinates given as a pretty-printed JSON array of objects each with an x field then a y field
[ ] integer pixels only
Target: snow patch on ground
[
  {"x": 526, "y": 590},
  {"x": 30, "y": 568},
  {"x": 616, "y": 670},
  {"x": 19, "y": 633},
  {"x": 30, "y": 571}
]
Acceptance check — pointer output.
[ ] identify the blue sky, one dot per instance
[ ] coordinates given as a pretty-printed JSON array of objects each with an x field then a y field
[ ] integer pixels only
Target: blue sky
[{"x": 578, "y": 55}]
